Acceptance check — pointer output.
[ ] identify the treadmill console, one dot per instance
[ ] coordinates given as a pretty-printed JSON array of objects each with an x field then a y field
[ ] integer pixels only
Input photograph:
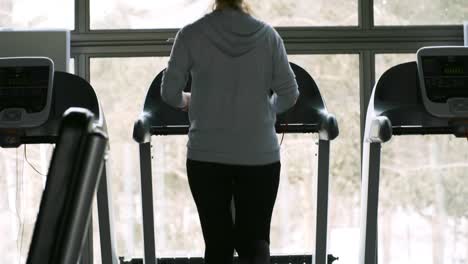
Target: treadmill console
[
  {"x": 25, "y": 91},
  {"x": 443, "y": 75}
]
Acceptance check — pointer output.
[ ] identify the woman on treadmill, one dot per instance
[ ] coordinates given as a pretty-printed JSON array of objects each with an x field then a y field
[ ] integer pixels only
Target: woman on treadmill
[{"x": 241, "y": 79}]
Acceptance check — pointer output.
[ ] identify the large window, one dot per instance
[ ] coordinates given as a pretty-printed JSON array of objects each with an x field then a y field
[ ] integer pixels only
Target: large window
[
  {"x": 420, "y": 12},
  {"x": 331, "y": 72},
  {"x": 423, "y": 214},
  {"x": 178, "y": 229},
  {"x": 177, "y": 226},
  {"x": 24, "y": 170},
  {"x": 121, "y": 85},
  {"x": 31, "y": 14},
  {"x": 144, "y": 14}
]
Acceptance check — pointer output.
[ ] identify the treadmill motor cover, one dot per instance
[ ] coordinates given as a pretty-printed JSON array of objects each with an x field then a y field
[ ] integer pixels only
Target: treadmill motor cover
[
  {"x": 25, "y": 91},
  {"x": 444, "y": 80}
]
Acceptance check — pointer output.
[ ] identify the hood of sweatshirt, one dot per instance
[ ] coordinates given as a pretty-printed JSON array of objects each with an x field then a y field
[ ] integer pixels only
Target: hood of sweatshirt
[{"x": 233, "y": 32}]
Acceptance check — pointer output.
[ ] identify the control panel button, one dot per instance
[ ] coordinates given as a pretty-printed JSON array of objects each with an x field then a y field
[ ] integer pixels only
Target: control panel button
[
  {"x": 13, "y": 115},
  {"x": 458, "y": 106}
]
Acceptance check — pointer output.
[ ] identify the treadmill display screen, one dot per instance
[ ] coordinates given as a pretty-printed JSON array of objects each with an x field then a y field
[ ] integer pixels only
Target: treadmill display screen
[
  {"x": 24, "y": 87},
  {"x": 445, "y": 77}
]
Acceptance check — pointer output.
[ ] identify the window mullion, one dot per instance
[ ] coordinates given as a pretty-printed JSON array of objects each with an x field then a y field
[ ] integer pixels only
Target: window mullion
[
  {"x": 82, "y": 15},
  {"x": 366, "y": 14}
]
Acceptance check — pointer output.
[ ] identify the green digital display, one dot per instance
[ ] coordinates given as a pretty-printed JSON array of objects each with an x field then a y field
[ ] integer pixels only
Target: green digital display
[
  {"x": 445, "y": 77},
  {"x": 453, "y": 70}
]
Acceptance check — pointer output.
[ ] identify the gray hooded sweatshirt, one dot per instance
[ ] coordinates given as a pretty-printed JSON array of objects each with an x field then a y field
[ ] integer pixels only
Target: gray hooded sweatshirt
[{"x": 241, "y": 79}]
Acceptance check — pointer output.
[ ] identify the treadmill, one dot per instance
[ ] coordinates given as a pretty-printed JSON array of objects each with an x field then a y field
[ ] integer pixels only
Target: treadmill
[
  {"x": 309, "y": 115},
  {"x": 427, "y": 97},
  {"x": 41, "y": 106}
]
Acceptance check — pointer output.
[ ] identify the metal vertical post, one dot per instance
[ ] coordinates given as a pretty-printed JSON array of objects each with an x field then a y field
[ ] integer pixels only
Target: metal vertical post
[
  {"x": 465, "y": 32},
  {"x": 321, "y": 237},
  {"x": 370, "y": 203},
  {"x": 81, "y": 26},
  {"x": 106, "y": 228},
  {"x": 147, "y": 204},
  {"x": 367, "y": 80},
  {"x": 87, "y": 251}
]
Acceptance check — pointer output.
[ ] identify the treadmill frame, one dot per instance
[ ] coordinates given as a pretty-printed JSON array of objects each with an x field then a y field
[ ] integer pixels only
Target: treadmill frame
[{"x": 327, "y": 129}]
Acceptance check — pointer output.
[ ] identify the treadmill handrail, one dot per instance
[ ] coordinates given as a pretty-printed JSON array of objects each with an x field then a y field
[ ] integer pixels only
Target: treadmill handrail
[{"x": 67, "y": 198}]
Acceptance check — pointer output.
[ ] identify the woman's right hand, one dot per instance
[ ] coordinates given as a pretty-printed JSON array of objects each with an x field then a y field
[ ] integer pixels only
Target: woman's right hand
[{"x": 186, "y": 97}]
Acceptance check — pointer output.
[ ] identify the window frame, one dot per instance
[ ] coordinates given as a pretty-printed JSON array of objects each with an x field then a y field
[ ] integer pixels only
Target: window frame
[{"x": 365, "y": 39}]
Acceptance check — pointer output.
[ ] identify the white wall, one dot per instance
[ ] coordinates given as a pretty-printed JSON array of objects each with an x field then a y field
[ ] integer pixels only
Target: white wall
[{"x": 54, "y": 44}]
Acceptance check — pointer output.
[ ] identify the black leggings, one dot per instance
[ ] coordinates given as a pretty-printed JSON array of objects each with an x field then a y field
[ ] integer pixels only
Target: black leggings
[{"x": 254, "y": 189}]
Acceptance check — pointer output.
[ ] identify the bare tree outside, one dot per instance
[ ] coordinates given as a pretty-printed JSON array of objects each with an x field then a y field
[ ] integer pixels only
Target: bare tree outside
[
  {"x": 30, "y": 14},
  {"x": 420, "y": 208},
  {"x": 337, "y": 77},
  {"x": 177, "y": 13},
  {"x": 420, "y": 12}
]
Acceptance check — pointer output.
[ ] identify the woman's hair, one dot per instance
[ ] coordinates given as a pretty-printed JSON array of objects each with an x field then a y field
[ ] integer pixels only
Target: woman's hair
[{"x": 235, "y": 4}]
